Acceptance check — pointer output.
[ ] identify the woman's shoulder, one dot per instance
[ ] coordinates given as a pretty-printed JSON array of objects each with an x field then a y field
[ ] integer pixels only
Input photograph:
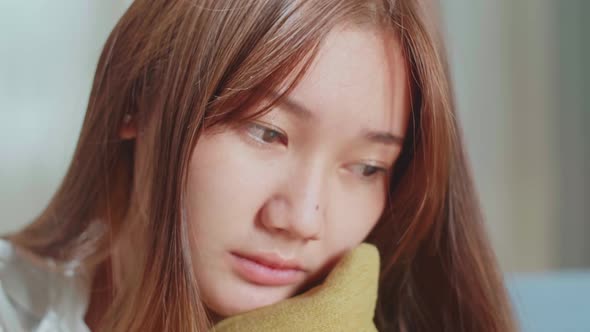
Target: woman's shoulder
[{"x": 36, "y": 295}]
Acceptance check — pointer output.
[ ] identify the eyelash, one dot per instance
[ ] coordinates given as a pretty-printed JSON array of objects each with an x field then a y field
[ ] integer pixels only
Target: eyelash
[
  {"x": 260, "y": 140},
  {"x": 375, "y": 171}
]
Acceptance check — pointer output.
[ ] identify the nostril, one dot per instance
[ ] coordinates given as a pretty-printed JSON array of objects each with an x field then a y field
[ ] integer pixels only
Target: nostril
[{"x": 317, "y": 207}]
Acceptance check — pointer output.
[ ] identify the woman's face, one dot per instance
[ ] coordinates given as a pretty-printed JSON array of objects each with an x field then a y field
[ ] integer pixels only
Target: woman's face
[{"x": 274, "y": 203}]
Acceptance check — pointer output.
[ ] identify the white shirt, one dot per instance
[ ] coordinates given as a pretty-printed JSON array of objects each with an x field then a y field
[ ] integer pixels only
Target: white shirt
[{"x": 36, "y": 295}]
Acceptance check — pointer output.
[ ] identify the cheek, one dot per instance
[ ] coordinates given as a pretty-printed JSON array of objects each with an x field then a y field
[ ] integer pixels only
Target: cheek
[
  {"x": 217, "y": 180},
  {"x": 226, "y": 188},
  {"x": 353, "y": 214}
]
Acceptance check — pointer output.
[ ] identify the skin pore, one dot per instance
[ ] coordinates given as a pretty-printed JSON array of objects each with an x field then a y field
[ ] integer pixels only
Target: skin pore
[{"x": 305, "y": 182}]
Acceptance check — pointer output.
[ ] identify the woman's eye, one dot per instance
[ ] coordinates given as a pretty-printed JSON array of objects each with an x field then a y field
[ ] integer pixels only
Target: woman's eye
[
  {"x": 265, "y": 135},
  {"x": 368, "y": 171}
]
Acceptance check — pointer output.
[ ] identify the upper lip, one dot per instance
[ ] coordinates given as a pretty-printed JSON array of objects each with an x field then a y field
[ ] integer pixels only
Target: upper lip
[{"x": 272, "y": 260}]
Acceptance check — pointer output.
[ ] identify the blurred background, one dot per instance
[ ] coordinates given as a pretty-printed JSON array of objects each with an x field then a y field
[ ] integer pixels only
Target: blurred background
[{"x": 522, "y": 74}]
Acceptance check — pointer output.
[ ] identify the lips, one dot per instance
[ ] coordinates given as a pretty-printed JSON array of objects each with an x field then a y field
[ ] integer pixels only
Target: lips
[{"x": 267, "y": 269}]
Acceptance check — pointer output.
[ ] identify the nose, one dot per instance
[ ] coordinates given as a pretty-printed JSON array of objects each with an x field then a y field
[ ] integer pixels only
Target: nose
[{"x": 297, "y": 208}]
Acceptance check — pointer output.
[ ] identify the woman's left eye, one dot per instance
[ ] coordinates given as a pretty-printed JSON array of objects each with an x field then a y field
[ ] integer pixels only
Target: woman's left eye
[
  {"x": 367, "y": 171},
  {"x": 265, "y": 135}
]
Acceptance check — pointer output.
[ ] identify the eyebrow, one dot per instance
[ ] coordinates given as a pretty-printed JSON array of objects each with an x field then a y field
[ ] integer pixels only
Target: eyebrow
[
  {"x": 301, "y": 112},
  {"x": 383, "y": 137},
  {"x": 295, "y": 108}
]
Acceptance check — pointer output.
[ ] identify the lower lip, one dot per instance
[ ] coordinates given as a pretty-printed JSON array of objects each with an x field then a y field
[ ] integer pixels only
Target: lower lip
[{"x": 264, "y": 275}]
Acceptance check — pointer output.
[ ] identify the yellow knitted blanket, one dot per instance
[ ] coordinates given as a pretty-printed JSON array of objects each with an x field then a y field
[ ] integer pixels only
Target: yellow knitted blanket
[{"x": 345, "y": 301}]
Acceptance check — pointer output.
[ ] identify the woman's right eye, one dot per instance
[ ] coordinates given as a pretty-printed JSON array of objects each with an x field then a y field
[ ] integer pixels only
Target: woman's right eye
[{"x": 265, "y": 135}]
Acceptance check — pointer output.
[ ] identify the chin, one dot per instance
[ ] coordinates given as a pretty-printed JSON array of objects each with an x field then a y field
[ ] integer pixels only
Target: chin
[{"x": 240, "y": 297}]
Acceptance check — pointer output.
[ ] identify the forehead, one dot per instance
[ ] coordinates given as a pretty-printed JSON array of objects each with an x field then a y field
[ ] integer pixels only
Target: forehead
[{"x": 359, "y": 77}]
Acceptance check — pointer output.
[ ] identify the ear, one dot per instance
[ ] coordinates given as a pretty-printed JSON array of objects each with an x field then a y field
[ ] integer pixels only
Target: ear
[{"x": 128, "y": 129}]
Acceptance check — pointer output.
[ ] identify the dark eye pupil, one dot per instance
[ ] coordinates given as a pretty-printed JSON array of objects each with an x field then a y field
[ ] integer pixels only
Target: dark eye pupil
[
  {"x": 270, "y": 135},
  {"x": 369, "y": 170}
]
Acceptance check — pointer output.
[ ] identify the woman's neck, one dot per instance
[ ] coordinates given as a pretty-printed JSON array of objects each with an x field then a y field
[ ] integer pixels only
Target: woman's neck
[{"x": 101, "y": 295}]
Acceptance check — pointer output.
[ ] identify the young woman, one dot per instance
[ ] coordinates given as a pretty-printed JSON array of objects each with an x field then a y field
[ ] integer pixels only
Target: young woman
[{"x": 271, "y": 165}]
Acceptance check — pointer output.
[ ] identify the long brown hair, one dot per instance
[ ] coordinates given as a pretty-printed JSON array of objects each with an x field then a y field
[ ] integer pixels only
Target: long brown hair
[{"x": 181, "y": 66}]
